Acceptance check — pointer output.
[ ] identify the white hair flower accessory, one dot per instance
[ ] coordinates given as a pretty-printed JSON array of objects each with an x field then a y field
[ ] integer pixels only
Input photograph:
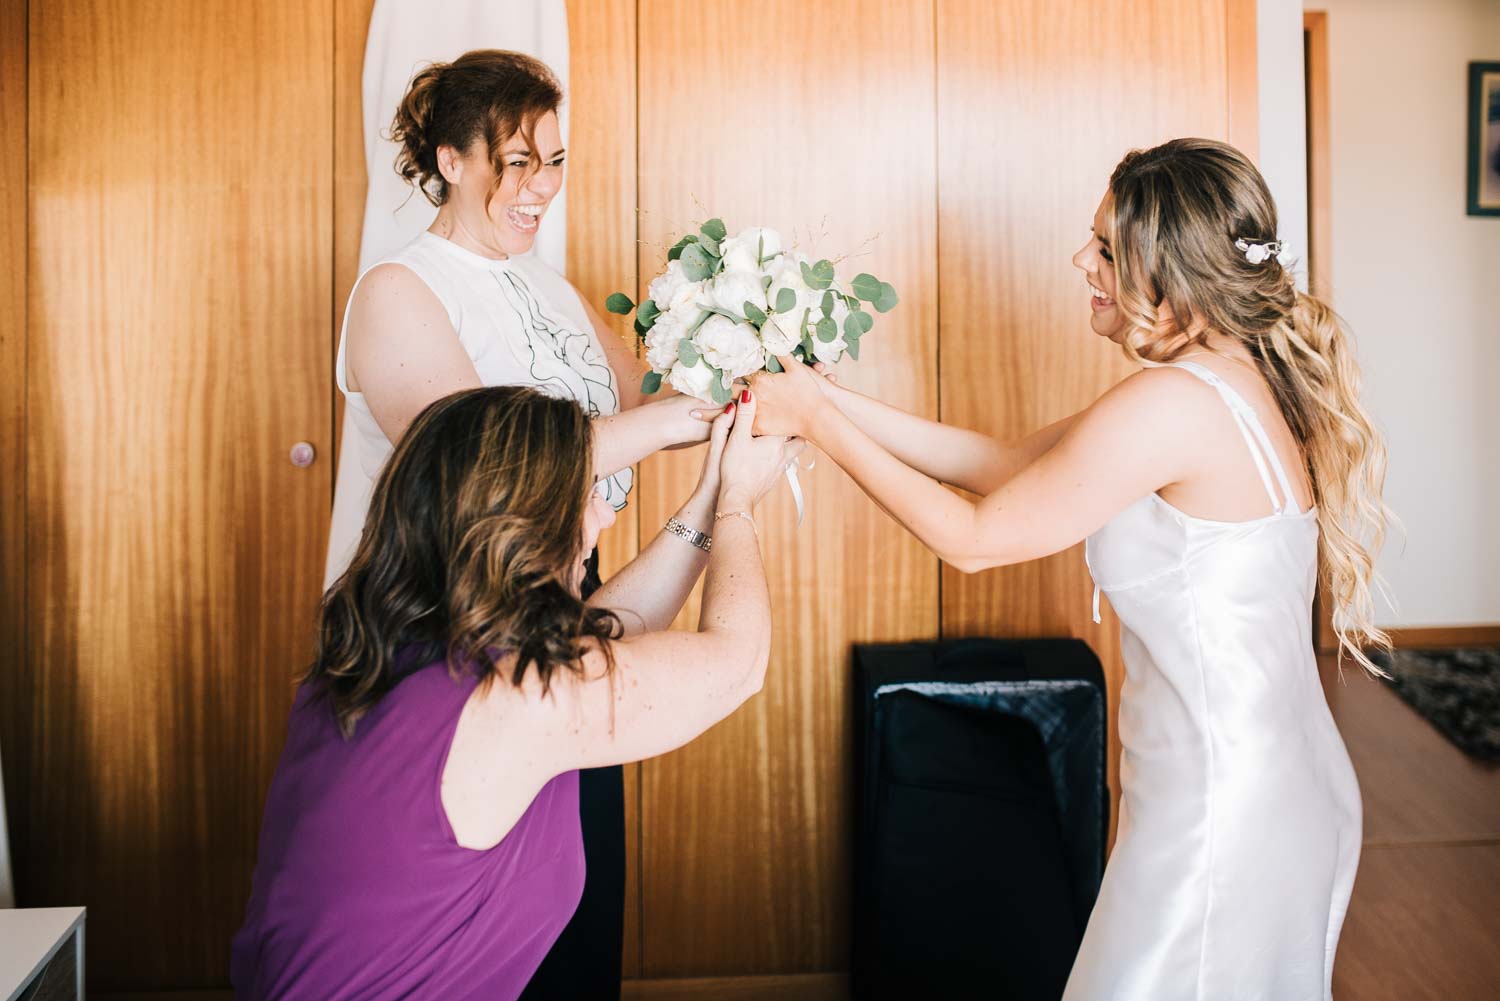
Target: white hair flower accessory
[{"x": 1257, "y": 253}]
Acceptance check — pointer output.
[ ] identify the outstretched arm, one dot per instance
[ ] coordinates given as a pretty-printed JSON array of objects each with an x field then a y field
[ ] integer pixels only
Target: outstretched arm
[
  {"x": 1129, "y": 443},
  {"x": 648, "y": 592},
  {"x": 967, "y": 459}
]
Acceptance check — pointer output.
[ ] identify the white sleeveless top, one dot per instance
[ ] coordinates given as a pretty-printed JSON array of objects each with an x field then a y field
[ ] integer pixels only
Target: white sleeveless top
[
  {"x": 1240, "y": 815},
  {"x": 520, "y": 323}
]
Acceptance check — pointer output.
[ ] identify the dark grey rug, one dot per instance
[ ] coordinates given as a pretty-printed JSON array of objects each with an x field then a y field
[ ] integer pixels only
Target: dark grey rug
[{"x": 1457, "y": 691}]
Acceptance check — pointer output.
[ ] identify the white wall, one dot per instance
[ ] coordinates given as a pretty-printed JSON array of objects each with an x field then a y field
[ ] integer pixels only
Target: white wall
[
  {"x": 1409, "y": 276},
  {"x": 1283, "y": 120}
]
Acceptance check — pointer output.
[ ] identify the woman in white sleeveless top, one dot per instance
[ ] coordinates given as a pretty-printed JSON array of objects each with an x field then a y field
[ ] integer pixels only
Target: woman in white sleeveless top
[
  {"x": 460, "y": 307},
  {"x": 1202, "y": 485}
]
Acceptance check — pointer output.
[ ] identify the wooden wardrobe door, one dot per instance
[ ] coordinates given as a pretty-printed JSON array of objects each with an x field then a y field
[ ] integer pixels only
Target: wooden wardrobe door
[
  {"x": 179, "y": 296},
  {"x": 816, "y": 119},
  {"x": 1037, "y": 102}
]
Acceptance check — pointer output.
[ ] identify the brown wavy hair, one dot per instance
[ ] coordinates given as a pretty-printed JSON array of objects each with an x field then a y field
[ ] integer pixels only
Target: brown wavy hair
[
  {"x": 470, "y": 550},
  {"x": 1177, "y": 210},
  {"x": 487, "y": 95}
]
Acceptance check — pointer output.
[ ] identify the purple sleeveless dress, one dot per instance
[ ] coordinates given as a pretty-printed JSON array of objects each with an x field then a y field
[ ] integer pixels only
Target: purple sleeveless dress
[{"x": 360, "y": 889}]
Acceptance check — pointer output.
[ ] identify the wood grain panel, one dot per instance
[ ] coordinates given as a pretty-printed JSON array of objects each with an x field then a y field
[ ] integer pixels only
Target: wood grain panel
[
  {"x": 179, "y": 291},
  {"x": 795, "y": 987},
  {"x": 822, "y": 126},
  {"x": 1319, "y": 231},
  {"x": 12, "y": 386},
  {"x": 1242, "y": 94},
  {"x": 601, "y": 189},
  {"x": 351, "y": 25},
  {"x": 1037, "y": 102}
]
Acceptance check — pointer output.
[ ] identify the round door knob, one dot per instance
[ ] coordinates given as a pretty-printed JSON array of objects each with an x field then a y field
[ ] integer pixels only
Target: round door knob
[{"x": 303, "y": 454}]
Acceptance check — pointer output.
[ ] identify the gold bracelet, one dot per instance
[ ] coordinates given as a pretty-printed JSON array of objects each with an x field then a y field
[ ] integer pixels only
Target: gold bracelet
[{"x": 737, "y": 514}]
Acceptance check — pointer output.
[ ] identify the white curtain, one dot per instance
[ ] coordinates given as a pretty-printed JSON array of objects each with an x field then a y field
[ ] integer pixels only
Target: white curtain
[{"x": 406, "y": 35}]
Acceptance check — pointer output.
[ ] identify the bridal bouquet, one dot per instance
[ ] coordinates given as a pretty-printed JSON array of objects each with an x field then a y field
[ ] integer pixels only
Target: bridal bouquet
[{"x": 727, "y": 306}]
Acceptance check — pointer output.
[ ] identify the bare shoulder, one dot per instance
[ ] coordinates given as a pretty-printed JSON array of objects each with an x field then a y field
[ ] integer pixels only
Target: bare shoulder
[
  {"x": 1158, "y": 401},
  {"x": 392, "y": 288}
]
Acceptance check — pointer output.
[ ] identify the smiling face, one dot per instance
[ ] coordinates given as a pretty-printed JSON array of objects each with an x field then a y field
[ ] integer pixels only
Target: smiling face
[
  {"x": 502, "y": 219},
  {"x": 1097, "y": 262}
]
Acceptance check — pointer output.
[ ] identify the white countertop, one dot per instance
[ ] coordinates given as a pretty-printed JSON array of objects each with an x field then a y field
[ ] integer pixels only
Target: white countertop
[{"x": 29, "y": 937}]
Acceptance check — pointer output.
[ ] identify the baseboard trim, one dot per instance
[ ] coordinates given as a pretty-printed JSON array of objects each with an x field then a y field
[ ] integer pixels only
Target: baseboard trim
[
  {"x": 1441, "y": 636},
  {"x": 790, "y": 987}
]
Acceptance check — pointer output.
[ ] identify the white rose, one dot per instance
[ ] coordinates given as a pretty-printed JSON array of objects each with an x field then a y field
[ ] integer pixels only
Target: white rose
[
  {"x": 730, "y": 346},
  {"x": 661, "y": 340},
  {"x": 786, "y": 272},
  {"x": 686, "y": 299},
  {"x": 740, "y": 251},
  {"x": 780, "y": 334},
  {"x": 667, "y": 286},
  {"x": 828, "y": 352},
  {"x": 693, "y": 381},
  {"x": 732, "y": 289}
]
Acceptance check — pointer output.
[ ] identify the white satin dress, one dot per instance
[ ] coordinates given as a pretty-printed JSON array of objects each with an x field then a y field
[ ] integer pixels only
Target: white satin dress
[{"x": 1240, "y": 816}]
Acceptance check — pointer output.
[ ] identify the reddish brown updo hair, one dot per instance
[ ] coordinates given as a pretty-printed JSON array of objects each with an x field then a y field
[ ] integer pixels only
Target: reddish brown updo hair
[{"x": 487, "y": 94}]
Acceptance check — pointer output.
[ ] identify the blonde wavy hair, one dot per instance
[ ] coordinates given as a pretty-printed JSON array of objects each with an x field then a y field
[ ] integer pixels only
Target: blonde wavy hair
[{"x": 1175, "y": 212}]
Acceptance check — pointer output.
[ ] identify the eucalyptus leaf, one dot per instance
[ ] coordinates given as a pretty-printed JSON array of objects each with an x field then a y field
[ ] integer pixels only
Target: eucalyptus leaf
[
  {"x": 807, "y": 346},
  {"x": 852, "y": 329},
  {"x": 772, "y": 365},
  {"x": 651, "y": 383},
  {"x": 786, "y": 300},
  {"x": 680, "y": 245},
  {"x": 854, "y": 348},
  {"x": 710, "y": 244},
  {"x": 865, "y": 320},
  {"x": 754, "y": 314},
  {"x": 647, "y": 314},
  {"x": 697, "y": 265},
  {"x": 828, "y": 304},
  {"x": 828, "y": 331},
  {"x": 719, "y": 390},
  {"x": 866, "y": 286},
  {"x": 619, "y": 303},
  {"x": 714, "y": 229},
  {"x": 687, "y": 351},
  {"x": 887, "y": 299},
  {"x": 818, "y": 276}
]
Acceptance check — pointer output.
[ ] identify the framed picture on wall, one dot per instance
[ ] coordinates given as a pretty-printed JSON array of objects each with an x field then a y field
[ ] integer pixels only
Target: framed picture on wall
[{"x": 1484, "y": 139}]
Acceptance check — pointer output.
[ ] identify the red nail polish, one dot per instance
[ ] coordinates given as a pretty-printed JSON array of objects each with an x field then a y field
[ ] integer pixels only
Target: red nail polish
[
  {"x": 729, "y": 409},
  {"x": 745, "y": 396}
]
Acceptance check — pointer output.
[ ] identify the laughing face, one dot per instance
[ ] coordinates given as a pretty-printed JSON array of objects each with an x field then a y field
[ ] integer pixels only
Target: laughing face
[
  {"x": 519, "y": 204},
  {"x": 1097, "y": 262}
]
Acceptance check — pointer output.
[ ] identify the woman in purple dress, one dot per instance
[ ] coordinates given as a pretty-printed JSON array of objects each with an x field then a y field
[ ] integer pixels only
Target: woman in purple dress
[{"x": 421, "y": 835}]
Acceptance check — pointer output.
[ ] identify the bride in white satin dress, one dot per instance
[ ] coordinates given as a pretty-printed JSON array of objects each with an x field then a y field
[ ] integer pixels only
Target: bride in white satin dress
[{"x": 1203, "y": 485}]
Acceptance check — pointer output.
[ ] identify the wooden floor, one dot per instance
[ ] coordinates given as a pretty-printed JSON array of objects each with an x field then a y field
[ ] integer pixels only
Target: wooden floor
[
  {"x": 1425, "y": 919},
  {"x": 1424, "y": 924}
]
